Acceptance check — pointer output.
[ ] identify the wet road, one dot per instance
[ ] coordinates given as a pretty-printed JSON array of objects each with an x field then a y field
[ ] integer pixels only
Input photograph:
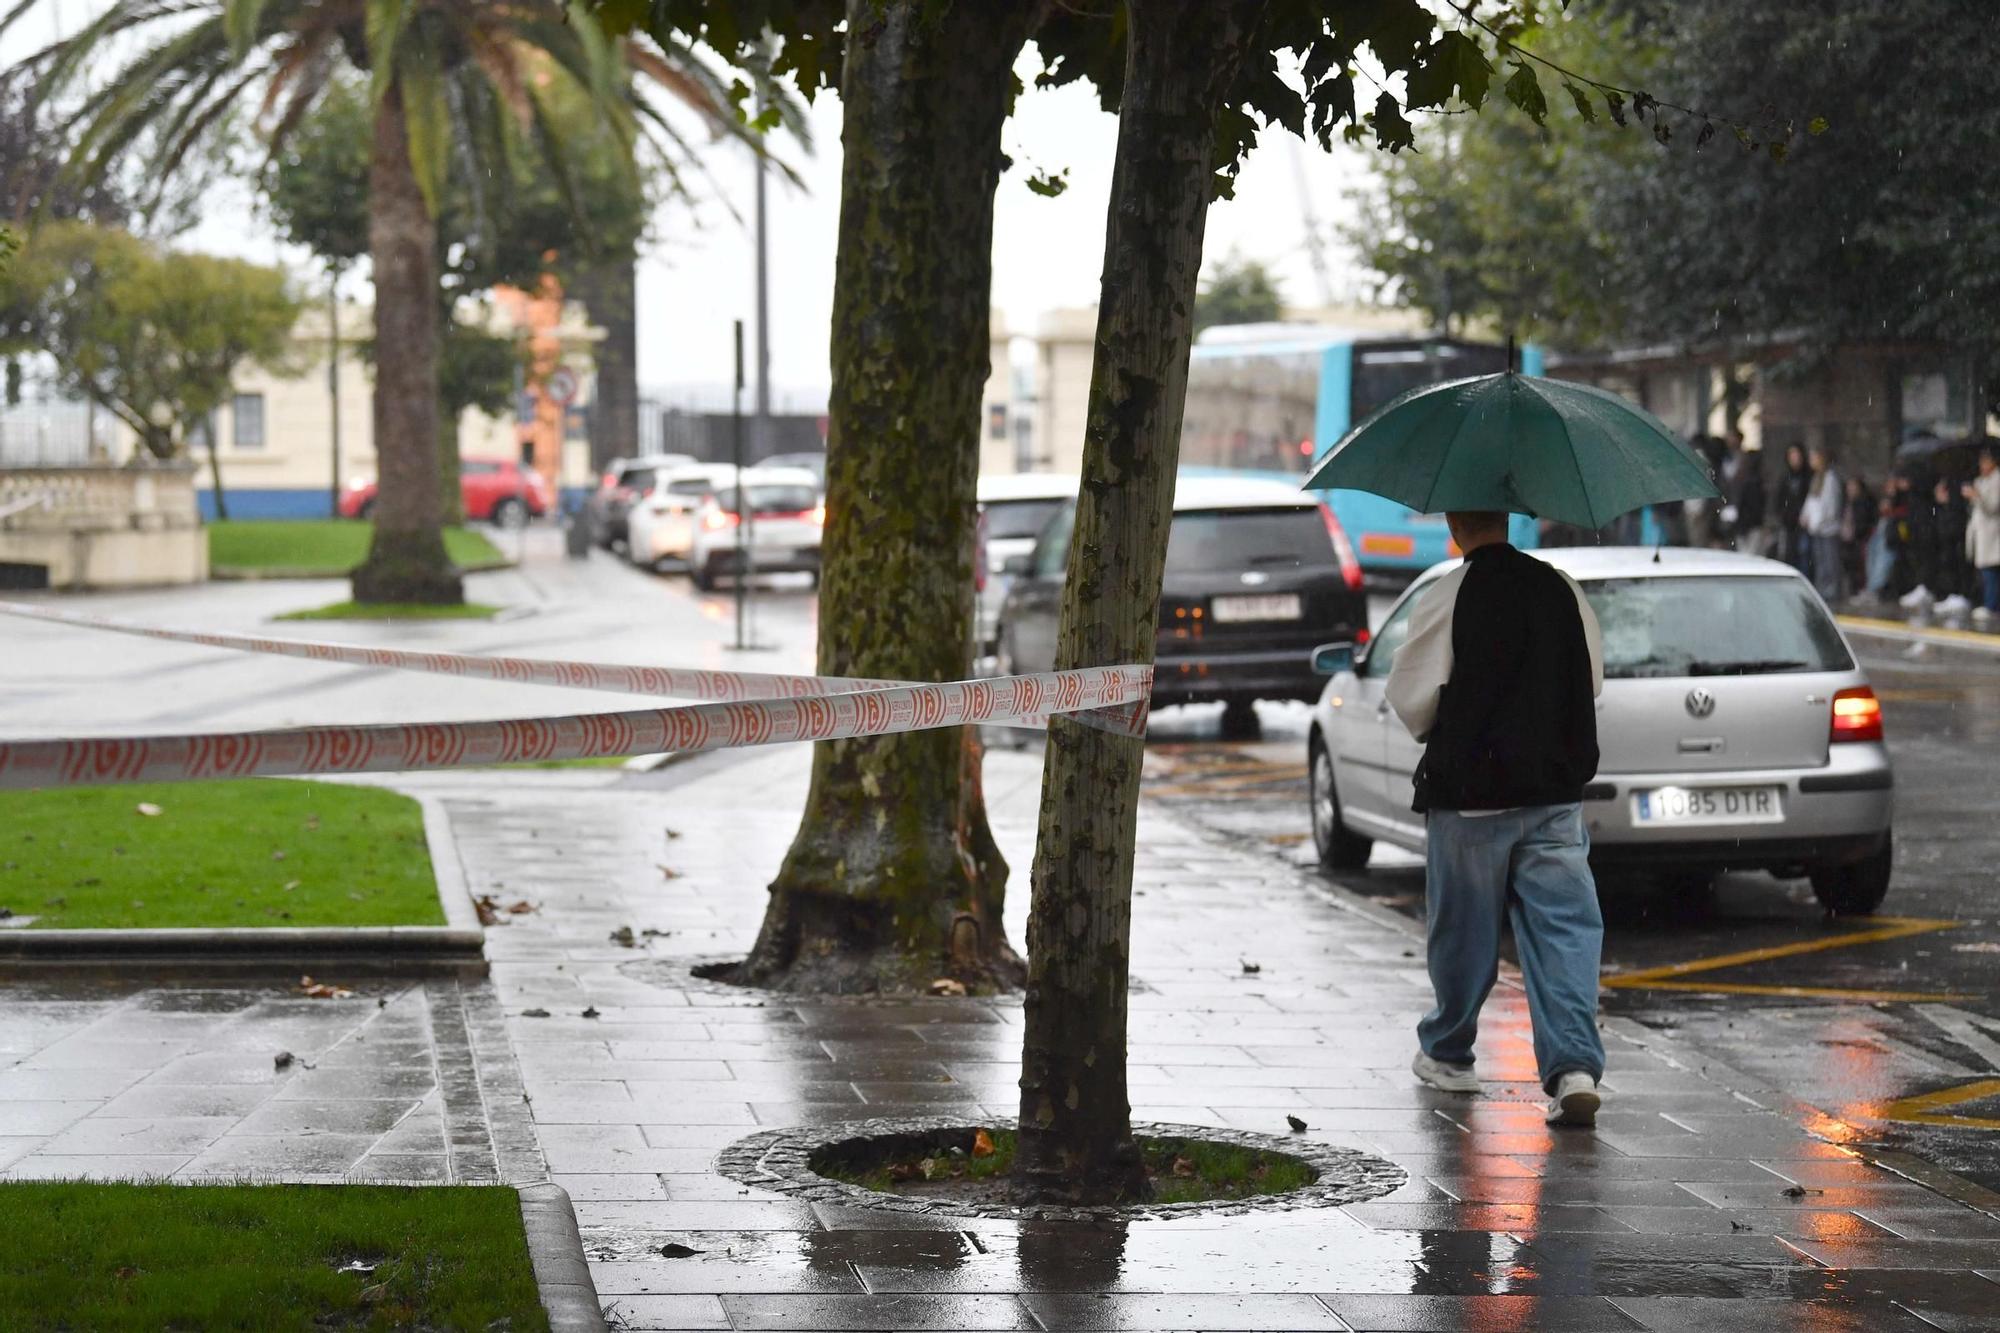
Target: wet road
[{"x": 1923, "y": 1076}]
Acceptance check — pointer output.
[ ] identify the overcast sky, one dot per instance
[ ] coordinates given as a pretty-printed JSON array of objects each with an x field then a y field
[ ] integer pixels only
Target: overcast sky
[{"x": 698, "y": 275}]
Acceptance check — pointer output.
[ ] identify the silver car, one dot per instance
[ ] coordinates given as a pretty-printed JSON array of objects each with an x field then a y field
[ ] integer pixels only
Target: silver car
[{"x": 1736, "y": 730}]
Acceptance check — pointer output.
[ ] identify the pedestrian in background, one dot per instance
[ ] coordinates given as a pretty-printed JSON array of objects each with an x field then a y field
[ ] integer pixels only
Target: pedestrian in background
[
  {"x": 1889, "y": 574},
  {"x": 1954, "y": 570},
  {"x": 1982, "y": 533},
  {"x": 1857, "y": 531},
  {"x": 1747, "y": 498},
  {"x": 1793, "y": 486},
  {"x": 1820, "y": 518},
  {"x": 1499, "y": 684}
]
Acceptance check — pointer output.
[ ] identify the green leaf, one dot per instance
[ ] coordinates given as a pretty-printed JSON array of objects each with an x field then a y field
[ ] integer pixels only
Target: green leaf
[
  {"x": 1524, "y": 90},
  {"x": 1780, "y": 150},
  {"x": 383, "y": 28},
  {"x": 1584, "y": 106},
  {"x": 427, "y": 120},
  {"x": 1392, "y": 131},
  {"x": 1453, "y": 63},
  {"x": 239, "y": 23},
  {"x": 1816, "y": 126},
  {"x": 1049, "y": 185}
]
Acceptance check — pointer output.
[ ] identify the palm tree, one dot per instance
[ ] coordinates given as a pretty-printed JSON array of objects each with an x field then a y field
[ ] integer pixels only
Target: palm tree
[{"x": 447, "y": 79}]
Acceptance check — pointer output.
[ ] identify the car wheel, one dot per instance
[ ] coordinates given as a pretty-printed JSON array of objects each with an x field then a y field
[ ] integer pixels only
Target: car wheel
[
  {"x": 1856, "y": 889},
  {"x": 1239, "y": 720},
  {"x": 704, "y": 577},
  {"x": 1338, "y": 849},
  {"x": 510, "y": 514},
  {"x": 366, "y": 512}
]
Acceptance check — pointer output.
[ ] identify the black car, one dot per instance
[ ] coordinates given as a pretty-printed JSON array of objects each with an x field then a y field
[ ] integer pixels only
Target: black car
[{"x": 1257, "y": 576}]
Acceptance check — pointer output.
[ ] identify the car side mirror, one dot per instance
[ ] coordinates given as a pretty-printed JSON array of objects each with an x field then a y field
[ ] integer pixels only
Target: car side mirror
[
  {"x": 1018, "y": 565},
  {"x": 1330, "y": 659}
]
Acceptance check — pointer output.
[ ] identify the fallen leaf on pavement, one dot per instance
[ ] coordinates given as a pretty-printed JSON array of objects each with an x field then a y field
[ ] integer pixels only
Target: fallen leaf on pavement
[
  {"x": 668, "y": 872},
  {"x": 1251, "y": 969},
  {"x": 1298, "y": 1126},
  {"x": 283, "y": 1059},
  {"x": 147, "y": 808},
  {"x": 673, "y": 1249},
  {"x": 534, "y": 1013},
  {"x": 947, "y": 986},
  {"x": 653, "y": 934},
  {"x": 673, "y": 833},
  {"x": 591, "y": 1012},
  {"x": 982, "y": 1144},
  {"x": 1800, "y": 1192},
  {"x": 489, "y": 911},
  {"x": 522, "y": 907},
  {"x": 623, "y": 935},
  {"x": 320, "y": 990}
]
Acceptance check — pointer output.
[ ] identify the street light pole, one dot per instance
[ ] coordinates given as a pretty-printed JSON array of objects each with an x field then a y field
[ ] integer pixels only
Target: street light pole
[
  {"x": 742, "y": 499},
  {"x": 333, "y": 378}
]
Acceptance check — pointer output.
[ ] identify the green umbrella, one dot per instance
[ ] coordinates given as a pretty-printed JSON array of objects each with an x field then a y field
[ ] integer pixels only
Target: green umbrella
[{"x": 1518, "y": 443}]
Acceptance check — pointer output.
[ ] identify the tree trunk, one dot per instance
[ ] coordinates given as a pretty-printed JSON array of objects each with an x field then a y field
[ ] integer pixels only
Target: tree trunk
[
  {"x": 215, "y": 480},
  {"x": 609, "y": 292},
  {"x": 893, "y": 878},
  {"x": 451, "y": 496},
  {"x": 1076, "y": 1122},
  {"x": 406, "y": 559}
]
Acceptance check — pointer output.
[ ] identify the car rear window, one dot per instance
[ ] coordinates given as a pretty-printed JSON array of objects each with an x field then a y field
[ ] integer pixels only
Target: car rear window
[
  {"x": 1724, "y": 626},
  {"x": 637, "y": 478},
  {"x": 690, "y": 486},
  {"x": 774, "y": 499},
  {"x": 1203, "y": 541},
  {"x": 1019, "y": 518}
]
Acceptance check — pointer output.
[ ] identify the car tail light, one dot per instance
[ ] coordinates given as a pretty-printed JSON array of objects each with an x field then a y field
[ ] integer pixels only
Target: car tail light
[
  {"x": 819, "y": 514},
  {"x": 715, "y": 520},
  {"x": 1362, "y": 636},
  {"x": 1343, "y": 550},
  {"x": 1857, "y": 715}
]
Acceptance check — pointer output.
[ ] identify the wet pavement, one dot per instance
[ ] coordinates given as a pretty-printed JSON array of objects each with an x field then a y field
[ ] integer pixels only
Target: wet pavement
[
  {"x": 1888, "y": 1069},
  {"x": 1709, "y": 1198}
]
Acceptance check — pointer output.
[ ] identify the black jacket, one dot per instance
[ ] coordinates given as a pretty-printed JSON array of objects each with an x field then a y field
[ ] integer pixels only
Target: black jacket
[{"x": 1517, "y": 722}]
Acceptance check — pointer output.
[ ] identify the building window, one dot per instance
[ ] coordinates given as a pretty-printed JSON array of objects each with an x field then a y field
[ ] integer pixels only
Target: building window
[{"x": 247, "y": 412}]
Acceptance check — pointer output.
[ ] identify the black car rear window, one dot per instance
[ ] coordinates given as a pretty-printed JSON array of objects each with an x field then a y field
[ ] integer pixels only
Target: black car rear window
[
  {"x": 1720, "y": 626},
  {"x": 1019, "y": 518},
  {"x": 1204, "y": 541}
]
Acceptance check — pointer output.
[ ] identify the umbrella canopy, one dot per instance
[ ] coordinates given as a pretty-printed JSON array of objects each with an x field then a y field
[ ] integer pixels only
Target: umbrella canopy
[{"x": 1518, "y": 443}]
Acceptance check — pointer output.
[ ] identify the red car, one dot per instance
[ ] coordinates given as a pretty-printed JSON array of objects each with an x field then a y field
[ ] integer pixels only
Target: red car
[{"x": 494, "y": 490}]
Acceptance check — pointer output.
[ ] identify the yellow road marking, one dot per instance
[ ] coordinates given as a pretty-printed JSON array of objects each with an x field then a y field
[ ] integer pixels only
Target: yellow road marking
[
  {"x": 1923, "y": 1110},
  {"x": 1941, "y": 631},
  {"x": 1886, "y": 928}
]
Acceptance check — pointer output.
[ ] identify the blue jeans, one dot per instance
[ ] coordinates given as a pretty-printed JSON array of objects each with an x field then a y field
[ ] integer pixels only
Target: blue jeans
[
  {"x": 1989, "y": 587},
  {"x": 1530, "y": 863}
]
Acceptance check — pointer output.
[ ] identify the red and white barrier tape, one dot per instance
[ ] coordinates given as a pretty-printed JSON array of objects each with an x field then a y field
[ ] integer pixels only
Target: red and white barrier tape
[{"x": 1115, "y": 697}]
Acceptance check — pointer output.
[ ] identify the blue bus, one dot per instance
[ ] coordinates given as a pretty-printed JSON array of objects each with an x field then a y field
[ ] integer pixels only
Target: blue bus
[{"x": 1271, "y": 399}]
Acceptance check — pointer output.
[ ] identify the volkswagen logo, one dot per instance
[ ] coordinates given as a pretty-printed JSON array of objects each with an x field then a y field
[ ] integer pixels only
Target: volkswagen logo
[{"x": 1700, "y": 703}]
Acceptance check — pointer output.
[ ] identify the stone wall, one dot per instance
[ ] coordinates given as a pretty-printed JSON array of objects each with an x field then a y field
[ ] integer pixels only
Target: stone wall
[{"x": 104, "y": 527}]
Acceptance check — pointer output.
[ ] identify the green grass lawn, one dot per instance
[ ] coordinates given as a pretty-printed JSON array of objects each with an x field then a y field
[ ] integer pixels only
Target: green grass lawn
[
  {"x": 320, "y": 548},
  {"x": 394, "y": 611},
  {"x": 250, "y": 852},
  {"x": 115, "y": 1258}
]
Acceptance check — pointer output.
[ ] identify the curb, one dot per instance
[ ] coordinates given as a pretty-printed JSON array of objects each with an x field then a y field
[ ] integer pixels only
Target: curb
[
  {"x": 1934, "y": 642},
  {"x": 458, "y": 946},
  {"x": 300, "y": 573},
  {"x": 562, "y": 1273}
]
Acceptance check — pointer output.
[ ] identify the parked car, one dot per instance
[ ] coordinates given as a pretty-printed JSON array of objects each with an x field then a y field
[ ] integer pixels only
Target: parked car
[
  {"x": 786, "y": 521},
  {"x": 1736, "y": 729},
  {"x": 659, "y": 529},
  {"x": 624, "y": 483},
  {"x": 1015, "y": 507},
  {"x": 813, "y": 461},
  {"x": 493, "y": 490},
  {"x": 1256, "y": 574}
]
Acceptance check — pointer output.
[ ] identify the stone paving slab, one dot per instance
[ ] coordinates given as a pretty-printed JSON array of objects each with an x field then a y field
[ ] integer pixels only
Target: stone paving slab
[{"x": 1688, "y": 1205}]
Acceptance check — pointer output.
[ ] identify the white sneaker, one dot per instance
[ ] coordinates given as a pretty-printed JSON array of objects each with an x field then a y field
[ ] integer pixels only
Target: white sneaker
[
  {"x": 1449, "y": 1078},
  {"x": 1917, "y": 597},
  {"x": 1576, "y": 1100},
  {"x": 1954, "y": 605}
]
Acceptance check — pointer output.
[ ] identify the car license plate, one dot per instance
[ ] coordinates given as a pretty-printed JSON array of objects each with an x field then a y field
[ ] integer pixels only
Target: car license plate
[
  {"x": 1270, "y": 606},
  {"x": 1708, "y": 805}
]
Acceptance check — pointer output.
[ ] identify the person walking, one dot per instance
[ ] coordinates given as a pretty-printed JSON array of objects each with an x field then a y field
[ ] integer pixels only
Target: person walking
[
  {"x": 1794, "y": 485},
  {"x": 1954, "y": 569},
  {"x": 1498, "y": 679},
  {"x": 1982, "y": 533},
  {"x": 1746, "y": 495},
  {"x": 1820, "y": 519}
]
